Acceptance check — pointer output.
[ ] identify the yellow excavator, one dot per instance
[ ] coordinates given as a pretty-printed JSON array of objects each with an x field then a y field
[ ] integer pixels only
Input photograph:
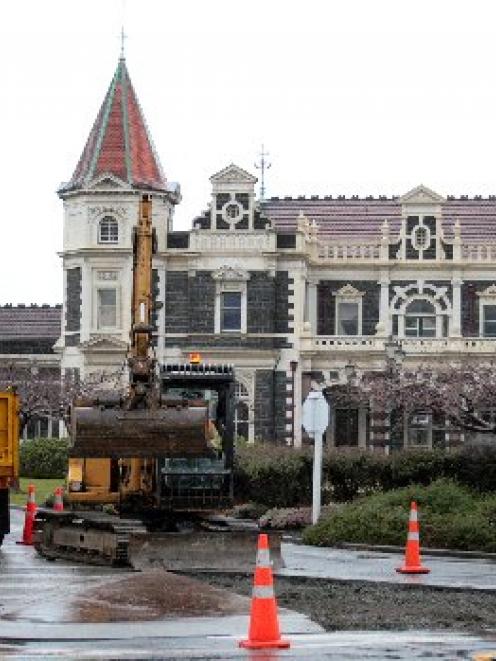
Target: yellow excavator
[
  {"x": 159, "y": 453},
  {"x": 9, "y": 454}
]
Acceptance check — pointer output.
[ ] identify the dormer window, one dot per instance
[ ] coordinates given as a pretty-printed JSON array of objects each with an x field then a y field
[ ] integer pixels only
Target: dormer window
[{"x": 108, "y": 230}]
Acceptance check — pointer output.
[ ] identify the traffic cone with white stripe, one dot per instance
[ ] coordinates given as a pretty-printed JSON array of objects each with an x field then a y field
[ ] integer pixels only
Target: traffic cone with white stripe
[
  {"x": 30, "y": 512},
  {"x": 413, "y": 564},
  {"x": 264, "y": 622},
  {"x": 58, "y": 503}
]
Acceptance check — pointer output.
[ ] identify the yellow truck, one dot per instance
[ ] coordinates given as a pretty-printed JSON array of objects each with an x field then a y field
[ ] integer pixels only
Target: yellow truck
[{"x": 9, "y": 454}]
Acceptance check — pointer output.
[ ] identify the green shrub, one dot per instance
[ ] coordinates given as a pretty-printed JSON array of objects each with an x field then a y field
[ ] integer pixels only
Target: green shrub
[
  {"x": 44, "y": 457},
  {"x": 348, "y": 474},
  {"x": 272, "y": 475},
  {"x": 452, "y": 516}
]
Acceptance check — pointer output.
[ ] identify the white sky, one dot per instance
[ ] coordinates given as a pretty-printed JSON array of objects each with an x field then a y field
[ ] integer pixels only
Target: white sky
[{"x": 349, "y": 97}]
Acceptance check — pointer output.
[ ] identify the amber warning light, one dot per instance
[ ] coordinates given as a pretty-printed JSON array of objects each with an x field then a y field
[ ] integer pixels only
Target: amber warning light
[{"x": 195, "y": 358}]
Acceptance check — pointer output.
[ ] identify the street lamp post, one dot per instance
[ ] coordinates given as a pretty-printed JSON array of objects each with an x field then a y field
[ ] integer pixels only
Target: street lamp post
[
  {"x": 395, "y": 355},
  {"x": 350, "y": 374}
]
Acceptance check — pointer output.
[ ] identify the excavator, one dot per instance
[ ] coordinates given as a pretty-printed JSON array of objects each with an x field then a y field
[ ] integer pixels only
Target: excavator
[
  {"x": 9, "y": 454},
  {"x": 149, "y": 459}
]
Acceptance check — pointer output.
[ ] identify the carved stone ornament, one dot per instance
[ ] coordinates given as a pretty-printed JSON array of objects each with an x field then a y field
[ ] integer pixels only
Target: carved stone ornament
[
  {"x": 348, "y": 291},
  {"x": 97, "y": 212},
  {"x": 230, "y": 273},
  {"x": 489, "y": 292},
  {"x": 104, "y": 342}
]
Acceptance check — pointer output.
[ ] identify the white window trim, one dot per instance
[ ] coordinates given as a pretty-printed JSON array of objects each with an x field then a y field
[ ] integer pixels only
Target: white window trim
[
  {"x": 348, "y": 294},
  {"x": 439, "y": 312},
  {"x": 486, "y": 297},
  {"x": 98, "y": 227},
  {"x": 107, "y": 284},
  {"x": 234, "y": 287}
]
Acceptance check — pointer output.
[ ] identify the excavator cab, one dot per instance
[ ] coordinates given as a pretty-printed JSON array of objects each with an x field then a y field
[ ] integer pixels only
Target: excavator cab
[{"x": 201, "y": 482}]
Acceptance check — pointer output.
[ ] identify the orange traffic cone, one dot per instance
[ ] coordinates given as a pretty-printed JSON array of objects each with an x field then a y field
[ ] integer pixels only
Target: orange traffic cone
[
  {"x": 58, "y": 503},
  {"x": 264, "y": 622},
  {"x": 27, "y": 533},
  {"x": 412, "y": 564}
]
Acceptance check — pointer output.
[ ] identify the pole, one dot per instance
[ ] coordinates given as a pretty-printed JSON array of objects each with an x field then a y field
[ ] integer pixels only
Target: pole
[{"x": 317, "y": 476}]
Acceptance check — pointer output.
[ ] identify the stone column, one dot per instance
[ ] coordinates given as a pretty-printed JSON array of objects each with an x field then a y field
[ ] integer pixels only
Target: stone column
[
  {"x": 456, "y": 317},
  {"x": 312, "y": 304},
  {"x": 362, "y": 428},
  {"x": 384, "y": 325},
  {"x": 86, "y": 301}
]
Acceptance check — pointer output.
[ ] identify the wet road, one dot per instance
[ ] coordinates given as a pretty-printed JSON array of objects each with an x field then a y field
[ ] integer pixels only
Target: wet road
[
  {"x": 371, "y": 566},
  {"x": 34, "y": 590},
  {"x": 34, "y": 598}
]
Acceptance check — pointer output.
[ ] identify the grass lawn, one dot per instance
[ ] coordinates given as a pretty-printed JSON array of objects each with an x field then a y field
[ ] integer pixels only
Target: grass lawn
[{"x": 43, "y": 489}]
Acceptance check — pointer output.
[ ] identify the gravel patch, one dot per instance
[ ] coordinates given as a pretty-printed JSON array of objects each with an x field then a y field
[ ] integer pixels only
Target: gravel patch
[
  {"x": 345, "y": 605},
  {"x": 154, "y": 595}
]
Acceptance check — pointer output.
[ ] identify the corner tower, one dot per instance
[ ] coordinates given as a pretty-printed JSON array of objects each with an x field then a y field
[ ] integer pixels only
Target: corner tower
[{"x": 117, "y": 165}]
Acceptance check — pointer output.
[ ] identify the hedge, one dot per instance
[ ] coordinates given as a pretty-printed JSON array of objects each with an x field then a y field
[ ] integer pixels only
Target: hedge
[
  {"x": 44, "y": 457},
  {"x": 451, "y": 516},
  {"x": 282, "y": 477},
  {"x": 278, "y": 476}
]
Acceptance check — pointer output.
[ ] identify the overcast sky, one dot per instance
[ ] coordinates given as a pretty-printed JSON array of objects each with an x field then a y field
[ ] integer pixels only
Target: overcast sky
[{"x": 349, "y": 97}]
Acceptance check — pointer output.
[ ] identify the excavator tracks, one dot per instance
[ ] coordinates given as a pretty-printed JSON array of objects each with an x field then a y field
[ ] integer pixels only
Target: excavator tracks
[
  {"x": 91, "y": 538},
  {"x": 105, "y": 540}
]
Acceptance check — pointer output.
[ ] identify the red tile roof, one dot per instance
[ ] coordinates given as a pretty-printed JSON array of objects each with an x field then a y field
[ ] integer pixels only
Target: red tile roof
[
  {"x": 119, "y": 143},
  {"x": 348, "y": 218}
]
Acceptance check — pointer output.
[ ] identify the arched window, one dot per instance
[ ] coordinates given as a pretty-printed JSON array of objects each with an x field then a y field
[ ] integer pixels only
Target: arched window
[
  {"x": 420, "y": 319},
  {"x": 108, "y": 230}
]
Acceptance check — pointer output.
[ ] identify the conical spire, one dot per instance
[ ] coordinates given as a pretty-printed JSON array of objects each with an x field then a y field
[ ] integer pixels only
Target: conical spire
[{"x": 119, "y": 142}]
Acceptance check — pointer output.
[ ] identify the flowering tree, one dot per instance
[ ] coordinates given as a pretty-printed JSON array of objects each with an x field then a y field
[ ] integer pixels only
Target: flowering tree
[
  {"x": 43, "y": 393},
  {"x": 461, "y": 394}
]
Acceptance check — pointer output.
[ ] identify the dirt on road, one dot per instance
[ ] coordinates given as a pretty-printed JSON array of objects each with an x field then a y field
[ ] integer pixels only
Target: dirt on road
[
  {"x": 341, "y": 605},
  {"x": 154, "y": 595}
]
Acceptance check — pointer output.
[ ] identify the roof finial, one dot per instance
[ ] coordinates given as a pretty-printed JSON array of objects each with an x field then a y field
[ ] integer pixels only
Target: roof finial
[
  {"x": 262, "y": 165},
  {"x": 123, "y": 38}
]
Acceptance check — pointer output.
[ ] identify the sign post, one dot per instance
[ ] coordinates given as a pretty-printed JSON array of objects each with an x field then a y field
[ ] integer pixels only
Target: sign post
[{"x": 315, "y": 421}]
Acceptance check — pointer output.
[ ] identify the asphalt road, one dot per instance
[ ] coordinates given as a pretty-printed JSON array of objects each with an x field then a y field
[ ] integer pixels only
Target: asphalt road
[{"x": 34, "y": 605}]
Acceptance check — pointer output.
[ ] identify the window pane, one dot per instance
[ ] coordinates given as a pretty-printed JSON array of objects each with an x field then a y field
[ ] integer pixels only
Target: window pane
[
  {"x": 490, "y": 328},
  {"x": 231, "y": 319},
  {"x": 231, "y": 299},
  {"x": 108, "y": 230},
  {"x": 107, "y": 308},
  {"x": 347, "y": 318},
  {"x": 420, "y": 306},
  {"x": 490, "y": 312}
]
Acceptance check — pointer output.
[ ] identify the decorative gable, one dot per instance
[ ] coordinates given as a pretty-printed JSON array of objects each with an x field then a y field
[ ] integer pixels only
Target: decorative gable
[
  {"x": 107, "y": 181},
  {"x": 233, "y": 174},
  {"x": 421, "y": 195},
  {"x": 233, "y": 199},
  {"x": 489, "y": 292},
  {"x": 348, "y": 291}
]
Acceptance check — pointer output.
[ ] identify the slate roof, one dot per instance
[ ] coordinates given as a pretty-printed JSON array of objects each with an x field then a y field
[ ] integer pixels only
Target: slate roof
[
  {"x": 361, "y": 218},
  {"x": 27, "y": 323},
  {"x": 119, "y": 142}
]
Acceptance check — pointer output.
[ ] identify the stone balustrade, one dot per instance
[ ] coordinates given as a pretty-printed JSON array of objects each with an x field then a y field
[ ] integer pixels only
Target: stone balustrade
[
  {"x": 348, "y": 250},
  {"x": 411, "y": 345},
  {"x": 485, "y": 252},
  {"x": 247, "y": 242}
]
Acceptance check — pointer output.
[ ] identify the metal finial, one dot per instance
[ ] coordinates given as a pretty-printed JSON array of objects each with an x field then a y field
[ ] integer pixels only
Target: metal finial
[
  {"x": 263, "y": 165},
  {"x": 123, "y": 38}
]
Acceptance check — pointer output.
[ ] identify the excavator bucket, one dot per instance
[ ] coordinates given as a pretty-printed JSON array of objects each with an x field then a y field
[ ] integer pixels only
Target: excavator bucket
[
  {"x": 119, "y": 433},
  {"x": 233, "y": 550}
]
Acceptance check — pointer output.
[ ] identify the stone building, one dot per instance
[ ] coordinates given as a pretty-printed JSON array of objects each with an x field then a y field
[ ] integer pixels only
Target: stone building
[{"x": 291, "y": 291}]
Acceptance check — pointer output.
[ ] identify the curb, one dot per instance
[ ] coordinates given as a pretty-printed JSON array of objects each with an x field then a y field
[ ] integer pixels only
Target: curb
[{"x": 390, "y": 548}]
